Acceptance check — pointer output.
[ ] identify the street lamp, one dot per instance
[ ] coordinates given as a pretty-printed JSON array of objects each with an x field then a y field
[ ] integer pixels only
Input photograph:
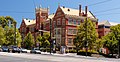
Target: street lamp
[
  {"x": 86, "y": 41},
  {"x": 15, "y": 33},
  {"x": 50, "y": 35}
]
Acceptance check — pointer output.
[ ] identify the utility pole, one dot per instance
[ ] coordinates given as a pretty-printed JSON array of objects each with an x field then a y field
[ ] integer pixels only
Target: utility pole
[
  {"x": 50, "y": 35},
  {"x": 86, "y": 41},
  {"x": 118, "y": 49},
  {"x": 15, "y": 33}
]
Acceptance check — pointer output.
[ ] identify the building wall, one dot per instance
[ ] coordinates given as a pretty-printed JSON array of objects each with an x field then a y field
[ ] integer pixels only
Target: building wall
[
  {"x": 103, "y": 30},
  {"x": 66, "y": 28}
]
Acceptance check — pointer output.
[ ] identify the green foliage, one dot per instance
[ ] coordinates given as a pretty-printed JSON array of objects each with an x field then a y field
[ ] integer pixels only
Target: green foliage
[
  {"x": 18, "y": 38},
  {"x": 92, "y": 35},
  {"x": 2, "y": 36},
  {"x": 99, "y": 44},
  {"x": 112, "y": 38},
  {"x": 9, "y": 26},
  {"x": 71, "y": 51},
  {"x": 43, "y": 40},
  {"x": 7, "y": 21},
  {"x": 29, "y": 41}
]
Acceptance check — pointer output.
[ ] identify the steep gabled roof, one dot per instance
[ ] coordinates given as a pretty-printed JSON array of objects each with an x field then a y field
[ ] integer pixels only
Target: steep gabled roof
[
  {"x": 33, "y": 21},
  {"x": 106, "y": 23},
  {"x": 29, "y": 21},
  {"x": 51, "y": 16},
  {"x": 75, "y": 12}
]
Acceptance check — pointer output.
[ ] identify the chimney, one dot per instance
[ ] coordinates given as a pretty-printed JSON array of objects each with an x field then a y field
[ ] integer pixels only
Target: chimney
[
  {"x": 80, "y": 8},
  {"x": 86, "y": 9}
]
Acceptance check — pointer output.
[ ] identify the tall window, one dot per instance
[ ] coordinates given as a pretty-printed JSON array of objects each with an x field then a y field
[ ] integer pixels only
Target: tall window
[
  {"x": 63, "y": 21},
  {"x": 54, "y": 24},
  {"x": 69, "y": 31},
  {"x": 74, "y": 31},
  {"x": 63, "y": 31},
  {"x": 59, "y": 21},
  {"x": 78, "y": 22},
  {"x": 69, "y": 40},
  {"x": 70, "y": 21},
  {"x": 58, "y": 31},
  {"x": 32, "y": 29},
  {"x": 74, "y": 21}
]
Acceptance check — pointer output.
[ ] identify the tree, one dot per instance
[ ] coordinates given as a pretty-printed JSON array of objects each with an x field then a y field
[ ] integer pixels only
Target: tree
[
  {"x": 46, "y": 37},
  {"x": 39, "y": 40},
  {"x": 2, "y": 36},
  {"x": 3, "y": 21},
  {"x": 99, "y": 44},
  {"x": 9, "y": 35},
  {"x": 110, "y": 42},
  {"x": 18, "y": 38},
  {"x": 91, "y": 34},
  {"x": 43, "y": 40},
  {"x": 7, "y": 21},
  {"x": 9, "y": 25},
  {"x": 78, "y": 42},
  {"x": 29, "y": 41},
  {"x": 112, "y": 39}
]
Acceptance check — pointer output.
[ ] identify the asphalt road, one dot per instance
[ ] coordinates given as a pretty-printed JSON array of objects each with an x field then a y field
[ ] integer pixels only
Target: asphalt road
[
  {"x": 16, "y": 59},
  {"x": 21, "y": 57}
]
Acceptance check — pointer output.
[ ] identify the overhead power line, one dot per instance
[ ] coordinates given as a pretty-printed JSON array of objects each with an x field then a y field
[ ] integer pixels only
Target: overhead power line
[
  {"x": 107, "y": 10},
  {"x": 99, "y": 2},
  {"x": 14, "y": 12},
  {"x": 107, "y": 14}
]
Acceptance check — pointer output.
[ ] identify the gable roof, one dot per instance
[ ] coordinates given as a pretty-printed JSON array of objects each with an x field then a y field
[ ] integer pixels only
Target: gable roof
[
  {"x": 106, "y": 23},
  {"x": 75, "y": 12},
  {"x": 51, "y": 16},
  {"x": 29, "y": 21},
  {"x": 33, "y": 21}
]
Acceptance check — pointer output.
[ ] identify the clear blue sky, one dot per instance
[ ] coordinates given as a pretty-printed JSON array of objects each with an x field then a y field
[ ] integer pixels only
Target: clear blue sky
[{"x": 19, "y": 9}]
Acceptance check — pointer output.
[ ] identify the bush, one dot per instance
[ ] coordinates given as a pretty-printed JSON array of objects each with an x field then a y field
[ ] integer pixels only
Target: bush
[
  {"x": 71, "y": 51},
  {"x": 89, "y": 53}
]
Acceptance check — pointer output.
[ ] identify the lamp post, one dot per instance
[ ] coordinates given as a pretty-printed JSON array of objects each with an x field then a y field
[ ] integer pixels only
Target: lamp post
[
  {"x": 118, "y": 49},
  {"x": 50, "y": 35},
  {"x": 15, "y": 33},
  {"x": 86, "y": 41}
]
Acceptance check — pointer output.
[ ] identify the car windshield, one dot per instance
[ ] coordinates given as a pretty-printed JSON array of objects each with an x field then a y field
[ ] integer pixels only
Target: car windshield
[
  {"x": 5, "y": 47},
  {"x": 36, "y": 49}
]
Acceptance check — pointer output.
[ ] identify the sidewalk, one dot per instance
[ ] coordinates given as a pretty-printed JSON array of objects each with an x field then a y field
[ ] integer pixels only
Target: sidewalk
[
  {"x": 67, "y": 54},
  {"x": 74, "y": 55}
]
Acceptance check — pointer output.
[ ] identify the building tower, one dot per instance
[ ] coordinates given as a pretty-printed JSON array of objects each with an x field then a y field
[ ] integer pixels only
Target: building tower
[{"x": 41, "y": 16}]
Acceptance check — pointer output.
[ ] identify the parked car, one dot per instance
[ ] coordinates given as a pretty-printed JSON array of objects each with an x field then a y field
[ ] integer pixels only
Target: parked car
[
  {"x": 36, "y": 51},
  {"x": 23, "y": 50},
  {"x": 4, "y": 48},
  {"x": 0, "y": 49},
  {"x": 14, "y": 49}
]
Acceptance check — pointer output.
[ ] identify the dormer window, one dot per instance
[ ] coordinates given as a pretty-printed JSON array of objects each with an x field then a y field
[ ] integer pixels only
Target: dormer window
[{"x": 68, "y": 9}]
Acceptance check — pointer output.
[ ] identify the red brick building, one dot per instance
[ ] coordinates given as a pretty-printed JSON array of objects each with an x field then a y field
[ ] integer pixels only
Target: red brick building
[
  {"x": 36, "y": 26},
  {"x": 65, "y": 24},
  {"x": 103, "y": 28}
]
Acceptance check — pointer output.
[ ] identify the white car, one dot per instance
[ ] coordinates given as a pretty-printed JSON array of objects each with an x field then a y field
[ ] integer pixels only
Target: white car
[
  {"x": 24, "y": 50},
  {"x": 36, "y": 51}
]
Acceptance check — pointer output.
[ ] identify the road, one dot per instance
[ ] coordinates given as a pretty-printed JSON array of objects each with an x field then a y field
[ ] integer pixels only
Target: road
[{"x": 21, "y": 57}]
